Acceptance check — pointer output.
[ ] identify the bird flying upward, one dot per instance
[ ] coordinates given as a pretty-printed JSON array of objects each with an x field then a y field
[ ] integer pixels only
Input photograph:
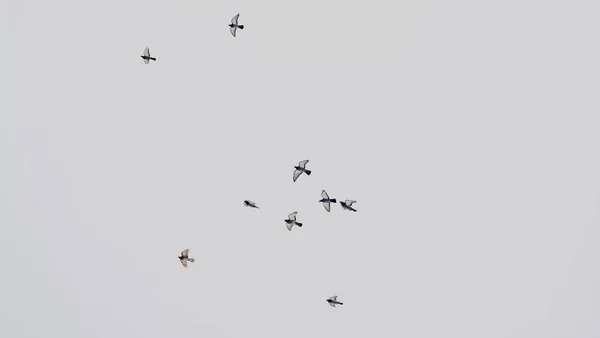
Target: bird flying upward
[
  {"x": 333, "y": 301},
  {"x": 347, "y": 205},
  {"x": 291, "y": 221},
  {"x": 146, "y": 56},
  {"x": 184, "y": 258},
  {"x": 301, "y": 168},
  {"x": 233, "y": 26},
  {"x": 250, "y": 204},
  {"x": 326, "y": 200}
]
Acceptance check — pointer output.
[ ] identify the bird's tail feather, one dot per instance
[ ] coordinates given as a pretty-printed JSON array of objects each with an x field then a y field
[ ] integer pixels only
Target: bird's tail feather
[
  {"x": 153, "y": 59},
  {"x": 191, "y": 260},
  {"x": 299, "y": 224},
  {"x": 341, "y": 303},
  {"x": 307, "y": 172},
  {"x": 333, "y": 200},
  {"x": 241, "y": 26}
]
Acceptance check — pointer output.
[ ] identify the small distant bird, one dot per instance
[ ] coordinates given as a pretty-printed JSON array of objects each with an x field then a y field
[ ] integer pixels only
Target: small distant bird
[
  {"x": 146, "y": 56},
  {"x": 233, "y": 26},
  {"x": 185, "y": 259},
  {"x": 250, "y": 204},
  {"x": 291, "y": 221},
  {"x": 347, "y": 204},
  {"x": 301, "y": 168},
  {"x": 326, "y": 200},
  {"x": 333, "y": 301}
]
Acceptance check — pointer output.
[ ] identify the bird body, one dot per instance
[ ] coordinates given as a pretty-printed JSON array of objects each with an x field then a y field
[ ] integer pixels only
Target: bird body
[
  {"x": 250, "y": 204},
  {"x": 326, "y": 200},
  {"x": 146, "y": 56},
  {"x": 333, "y": 301},
  {"x": 233, "y": 26},
  {"x": 291, "y": 221},
  {"x": 184, "y": 258},
  {"x": 347, "y": 205},
  {"x": 301, "y": 168}
]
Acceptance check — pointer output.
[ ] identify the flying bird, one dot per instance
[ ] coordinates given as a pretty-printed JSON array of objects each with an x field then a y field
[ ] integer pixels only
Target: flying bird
[
  {"x": 185, "y": 259},
  {"x": 146, "y": 56},
  {"x": 333, "y": 301},
  {"x": 233, "y": 26},
  {"x": 326, "y": 200},
  {"x": 291, "y": 221},
  {"x": 347, "y": 205},
  {"x": 250, "y": 204},
  {"x": 301, "y": 168}
]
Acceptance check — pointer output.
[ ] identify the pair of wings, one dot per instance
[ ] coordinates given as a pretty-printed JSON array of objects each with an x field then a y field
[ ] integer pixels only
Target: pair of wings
[
  {"x": 291, "y": 217},
  {"x": 147, "y": 55},
  {"x": 327, "y": 205},
  {"x": 234, "y": 22},
  {"x": 184, "y": 254}
]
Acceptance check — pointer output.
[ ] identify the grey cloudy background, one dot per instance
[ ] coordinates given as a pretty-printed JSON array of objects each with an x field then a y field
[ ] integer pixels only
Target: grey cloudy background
[{"x": 466, "y": 130}]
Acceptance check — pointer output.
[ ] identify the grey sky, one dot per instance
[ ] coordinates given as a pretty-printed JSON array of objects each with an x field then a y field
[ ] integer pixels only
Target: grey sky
[{"x": 466, "y": 130}]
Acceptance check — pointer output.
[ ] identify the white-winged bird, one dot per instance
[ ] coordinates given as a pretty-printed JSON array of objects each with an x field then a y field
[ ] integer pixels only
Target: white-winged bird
[
  {"x": 333, "y": 301},
  {"x": 233, "y": 26},
  {"x": 301, "y": 168},
  {"x": 347, "y": 205},
  {"x": 326, "y": 200},
  {"x": 146, "y": 56},
  {"x": 184, "y": 258},
  {"x": 291, "y": 221},
  {"x": 250, "y": 204}
]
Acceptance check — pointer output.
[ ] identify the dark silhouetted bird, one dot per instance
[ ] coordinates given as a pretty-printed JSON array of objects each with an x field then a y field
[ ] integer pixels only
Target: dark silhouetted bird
[
  {"x": 233, "y": 26},
  {"x": 146, "y": 56},
  {"x": 185, "y": 259},
  {"x": 301, "y": 168},
  {"x": 347, "y": 204},
  {"x": 291, "y": 221},
  {"x": 326, "y": 200},
  {"x": 250, "y": 204},
  {"x": 333, "y": 301}
]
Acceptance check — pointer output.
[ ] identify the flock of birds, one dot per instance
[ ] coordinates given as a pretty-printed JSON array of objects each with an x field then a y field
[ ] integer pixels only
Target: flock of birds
[{"x": 299, "y": 169}]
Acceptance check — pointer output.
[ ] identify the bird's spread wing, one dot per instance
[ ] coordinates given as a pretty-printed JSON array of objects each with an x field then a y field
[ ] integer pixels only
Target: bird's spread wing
[
  {"x": 147, "y": 52},
  {"x": 146, "y": 60},
  {"x": 235, "y": 19},
  {"x": 333, "y": 297},
  {"x": 327, "y": 206},
  {"x": 183, "y": 262},
  {"x": 332, "y": 304},
  {"x": 302, "y": 164},
  {"x": 232, "y": 30},
  {"x": 324, "y": 195},
  {"x": 185, "y": 252},
  {"x": 349, "y": 202},
  {"x": 297, "y": 174},
  {"x": 292, "y": 216},
  {"x": 289, "y": 226}
]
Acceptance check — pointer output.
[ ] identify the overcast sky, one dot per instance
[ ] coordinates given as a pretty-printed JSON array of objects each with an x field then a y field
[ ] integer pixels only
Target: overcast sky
[{"x": 466, "y": 130}]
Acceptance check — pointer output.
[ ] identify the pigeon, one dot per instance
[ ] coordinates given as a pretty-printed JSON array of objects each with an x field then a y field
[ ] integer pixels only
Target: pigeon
[
  {"x": 333, "y": 301},
  {"x": 146, "y": 56},
  {"x": 233, "y": 26},
  {"x": 301, "y": 168},
  {"x": 291, "y": 221},
  {"x": 185, "y": 259},
  {"x": 250, "y": 204},
  {"x": 326, "y": 200},
  {"x": 347, "y": 204}
]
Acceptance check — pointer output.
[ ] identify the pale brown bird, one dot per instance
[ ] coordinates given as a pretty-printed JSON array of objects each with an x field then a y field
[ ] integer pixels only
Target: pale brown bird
[{"x": 184, "y": 259}]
